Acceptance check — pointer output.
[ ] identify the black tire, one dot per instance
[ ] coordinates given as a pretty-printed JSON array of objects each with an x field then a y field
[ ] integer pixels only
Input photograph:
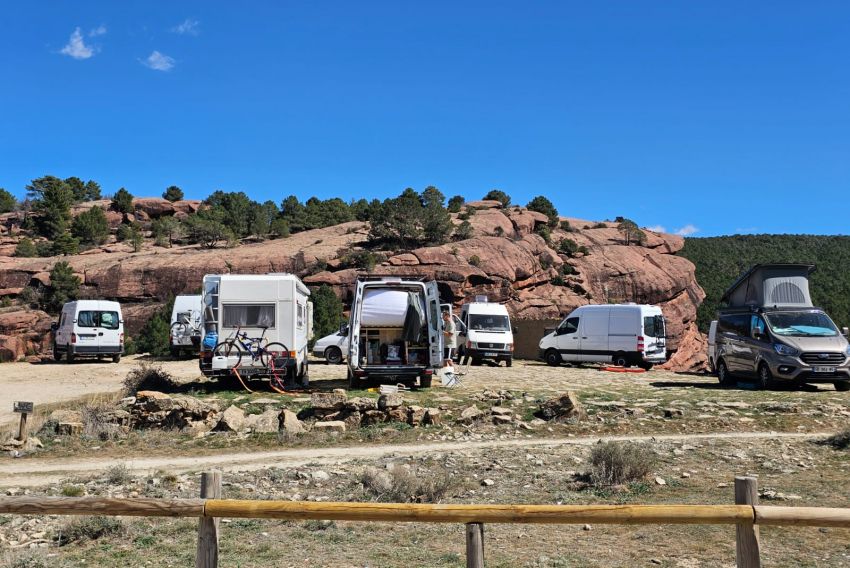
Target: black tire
[
  {"x": 116, "y": 358},
  {"x": 333, "y": 355},
  {"x": 509, "y": 362},
  {"x": 765, "y": 377},
  {"x": 57, "y": 355},
  {"x": 842, "y": 386},
  {"x": 69, "y": 355},
  {"x": 272, "y": 350},
  {"x": 425, "y": 381},
  {"x": 476, "y": 361},
  {"x": 553, "y": 358},
  {"x": 724, "y": 377},
  {"x": 228, "y": 349},
  {"x": 646, "y": 366},
  {"x": 353, "y": 382},
  {"x": 620, "y": 359},
  {"x": 304, "y": 377}
]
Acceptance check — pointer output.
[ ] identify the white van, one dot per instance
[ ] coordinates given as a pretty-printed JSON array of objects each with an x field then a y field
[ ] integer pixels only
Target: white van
[
  {"x": 712, "y": 347},
  {"x": 486, "y": 333},
  {"x": 333, "y": 348},
  {"x": 89, "y": 328},
  {"x": 186, "y": 319},
  {"x": 623, "y": 334},
  {"x": 274, "y": 307},
  {"x": 395, "y": 330}
]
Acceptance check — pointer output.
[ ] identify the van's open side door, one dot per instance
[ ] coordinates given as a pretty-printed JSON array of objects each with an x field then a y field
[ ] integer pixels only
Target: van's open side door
[
  {"x": 435, "y": 324},
  {"x": 354, "y": 327}
]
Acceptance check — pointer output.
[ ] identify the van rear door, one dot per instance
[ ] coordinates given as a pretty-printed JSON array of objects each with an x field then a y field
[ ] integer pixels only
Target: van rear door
[
  {"x": 435, "y": 336},
  {"x": 354, "y": 327}
]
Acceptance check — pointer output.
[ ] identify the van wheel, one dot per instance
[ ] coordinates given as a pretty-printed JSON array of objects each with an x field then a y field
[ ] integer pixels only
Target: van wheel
[
  {"x": 723, "y": 376},
  {"x": 353, "y": 382},
  {"x": 69, "y": 355},
  {"x": 646, "y": 366},
  {"x": 425, "y": 381},
  {"x": 333, "y": 355},
  {"x": 553, "y": 358},
  {"x": 57, "y": 355},
  {"x": 621, "y": 360},
  {"x": 509, "y": 362},
  {"x": 765, "y": 376},
  {"x": 476, "y": 361},
  {"x": 116, "y": 358},
  {"x": 842, "y": 386}
]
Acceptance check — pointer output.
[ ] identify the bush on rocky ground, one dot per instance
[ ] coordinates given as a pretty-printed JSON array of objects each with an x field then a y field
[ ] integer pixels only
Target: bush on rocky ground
[
  {"x": 839, "y": 441},
  {"x": 402, "y": 485},
  {"x": 148, "y": 376},
  {"x": 89, "y": 528},
  {"x": 619, "y": 463}
]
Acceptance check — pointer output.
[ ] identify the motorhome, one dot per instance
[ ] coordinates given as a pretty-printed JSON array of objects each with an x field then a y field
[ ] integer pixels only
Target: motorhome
[
  {"x": 623, "y": 334},
  {"x": 186, "y": 320},
  {"x": 274, "y": 307},
  {"x": 333, "y": 348},
  {"x": 769, "y": 330},
  {"x": 395, "y": 332},
  {"x": 89, "y": 328},
  {"x": 486, "y": 333}
]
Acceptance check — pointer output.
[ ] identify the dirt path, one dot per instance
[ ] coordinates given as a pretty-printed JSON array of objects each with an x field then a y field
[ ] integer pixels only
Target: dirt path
[{"x": 35, "y": 472}]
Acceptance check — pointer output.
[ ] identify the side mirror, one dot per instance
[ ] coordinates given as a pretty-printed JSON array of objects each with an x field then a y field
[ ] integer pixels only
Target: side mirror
[
  {"x": 343, "y": 329},
  {"x": 845, "y": 332},
  {"x": 54, "y": 326}
]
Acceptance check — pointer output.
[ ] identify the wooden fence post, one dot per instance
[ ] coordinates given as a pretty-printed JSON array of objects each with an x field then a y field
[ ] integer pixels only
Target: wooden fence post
[
  {"x": 207, "y": 556},
  {"x": 747, "y": 533},
  {"x": 474, "y": 545},
  {"x": 22, "y": 428}
]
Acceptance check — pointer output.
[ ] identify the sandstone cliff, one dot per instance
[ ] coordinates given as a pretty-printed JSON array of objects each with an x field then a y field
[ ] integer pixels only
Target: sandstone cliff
[{"x": 505, "y": 259}]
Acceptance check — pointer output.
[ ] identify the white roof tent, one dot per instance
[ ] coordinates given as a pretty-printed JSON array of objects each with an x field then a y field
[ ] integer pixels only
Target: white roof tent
[{"x": 771, "y": 285}]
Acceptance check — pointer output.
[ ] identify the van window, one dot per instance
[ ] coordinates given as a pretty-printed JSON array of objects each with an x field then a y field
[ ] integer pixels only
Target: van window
[
  {"x": 87, "y": 319},
  {"x": 736, "y": 324},
  {"x": 109, "y": 320},
  {"x": 570, "y": 325},
  {"x": 92, "y": 318},
  {"x": 653, "y": 326},
  {"x": 489, "y": 322},
  {"x": 300, "y": 320},
  {"x": 249, "y": 315}
]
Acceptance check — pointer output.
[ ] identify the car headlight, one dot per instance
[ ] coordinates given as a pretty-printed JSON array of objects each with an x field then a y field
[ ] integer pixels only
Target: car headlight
[{"x": 783, "y": 349}]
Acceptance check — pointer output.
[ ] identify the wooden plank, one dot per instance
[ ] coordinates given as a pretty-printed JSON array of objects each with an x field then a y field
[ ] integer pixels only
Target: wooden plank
[
  {"x": 474, "y": 545},
  {"x": 208, "y": 527},
  {"x": 803, "y": 516},
  {"x": 138, "y": 507},
  {"x": 536, "y": 514},
  {"x": 746, "y": 532},
  {"x": 22, "y": 428}
]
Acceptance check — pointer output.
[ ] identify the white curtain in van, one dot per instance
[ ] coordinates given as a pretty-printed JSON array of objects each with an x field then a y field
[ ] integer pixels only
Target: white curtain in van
[
  {"x": 246, "y": 315},
  {"x": 384, "y": 308}
]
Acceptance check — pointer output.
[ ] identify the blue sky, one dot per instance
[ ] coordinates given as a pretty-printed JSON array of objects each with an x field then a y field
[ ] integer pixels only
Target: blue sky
[{"x": 719, "y": 116}]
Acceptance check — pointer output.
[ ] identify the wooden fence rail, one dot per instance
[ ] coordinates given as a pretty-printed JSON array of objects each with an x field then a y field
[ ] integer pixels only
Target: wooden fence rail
[{"x": 746, "y": 514}]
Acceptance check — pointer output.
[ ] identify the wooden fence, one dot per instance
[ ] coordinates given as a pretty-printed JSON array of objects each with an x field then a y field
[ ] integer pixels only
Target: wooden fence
[{"x": 746, "y": 514}]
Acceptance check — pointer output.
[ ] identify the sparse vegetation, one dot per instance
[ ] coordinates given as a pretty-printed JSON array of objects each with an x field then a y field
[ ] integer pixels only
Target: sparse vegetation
[
  {"x": 173, "y": 193},
  {"x": 403, "y": 485},
  {"x": 542, "y": 204},
  {"x": 89, "y": 528},
  {"x": 455, "y": 203},
  {"x": 122, "y": 201},
  {"x": 500, "y": 196},
  {"x": 147, "y": 376},
  {"x": 73, "y": 490},
  {"x": 118, "y": 474},
  {"x": 568, "y": 247},
  {"x": 839, "y": 441},
  {"x": 619, "y": 463},
  {"x": 463, "y": 231},
  {"x": 64, "y": 287},
  {"x": 474, "y": 260}
]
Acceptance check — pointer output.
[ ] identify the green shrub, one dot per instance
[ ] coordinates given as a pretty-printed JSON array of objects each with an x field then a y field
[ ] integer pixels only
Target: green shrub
[
  {"x": 153, "y": 337},
  {"x": 7, "y": 201},
  {"x": 173, "y": 193},
  {"x": 619, "y": 463},
  {"x": 327, "y": 311},
  {"x": 558, "y": 281},
  {"x": 148, "y": 376},
  {"x": 122, "y": 201},
  {"x": 567, "y": 269},
  {"x": 542, "y": 204},
  {"x": 73, "y": 490},
  {"x": 89, "y": 528},
  {"x": 455, "y": 203},
  {"x": 500, "y": 196},
  {"x": 474, "y": 260},
  {"x": 565, "y": 226},
  {"x": 118, "y": 474},
  {"x": 64, "y": 287},
  {"x": 26, "y": 248},
  {"x": 599, "y": 226},
  {"x": 545, "y": 232},
  {"x": 568, "y": 247},
  {"x": 463, "y": 231},
  {"x": 91, "y": 227}
]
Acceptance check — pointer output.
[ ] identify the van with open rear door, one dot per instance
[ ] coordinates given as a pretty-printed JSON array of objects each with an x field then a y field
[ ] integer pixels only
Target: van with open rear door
[{"x": 395, "y": 332}]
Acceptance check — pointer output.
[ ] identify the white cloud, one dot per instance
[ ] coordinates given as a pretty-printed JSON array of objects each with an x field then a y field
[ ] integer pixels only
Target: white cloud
[
  {"x": 98, "y": 31},
  {"x": 687, "y": 230},
  {"x": 657, "y": 229},
  {"x": 187, "y": 27},
  {"x": 76, "y": 47},
  {"x": 159, "y": 61}
]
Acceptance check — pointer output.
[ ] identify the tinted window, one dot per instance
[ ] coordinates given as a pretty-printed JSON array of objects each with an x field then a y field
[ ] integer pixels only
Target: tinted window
[
  {"x": 92, "y": 318},
  {"x": 87, "y": 319},
  {"x": 736, "y": 324},
  {"x": 247, "y": 315},
  {"x": 653, "y": 326},
  {"x": 489, "y": 322},
  {"x": 569, "y": 325}
]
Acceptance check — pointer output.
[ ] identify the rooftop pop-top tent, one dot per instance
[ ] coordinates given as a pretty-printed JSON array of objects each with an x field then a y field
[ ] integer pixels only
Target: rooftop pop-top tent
[{"x": 771, "y": 285}]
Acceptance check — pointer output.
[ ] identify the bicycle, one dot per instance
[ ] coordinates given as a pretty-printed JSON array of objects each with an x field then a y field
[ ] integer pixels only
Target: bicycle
[
  {"x": 241, "y": 344},
  {"x": 187, "y": 324}
]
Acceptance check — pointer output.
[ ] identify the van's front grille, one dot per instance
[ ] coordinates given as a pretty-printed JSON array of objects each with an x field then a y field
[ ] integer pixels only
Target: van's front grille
[
  {"x": 491, "y": 345},
  {"x": 823, "y": 358}
]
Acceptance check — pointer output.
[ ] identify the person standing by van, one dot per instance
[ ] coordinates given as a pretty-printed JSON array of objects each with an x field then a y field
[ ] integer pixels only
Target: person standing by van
[{"x": 450, "y": 336}]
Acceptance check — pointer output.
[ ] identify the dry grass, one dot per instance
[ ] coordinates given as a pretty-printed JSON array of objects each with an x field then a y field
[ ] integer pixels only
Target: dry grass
[
  {"x": 619, "y": 463},
  {"x": 403, "y": 485},
  {"x": 148, "y": 376},
  {"x": 89, "y": 528},
  {"x": 839, "y": 441},
  {"x": 118, "y": 475}
]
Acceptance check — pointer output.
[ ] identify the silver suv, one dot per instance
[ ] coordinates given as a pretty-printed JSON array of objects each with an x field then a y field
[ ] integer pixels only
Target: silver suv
[{"x": 800, "y": 345}]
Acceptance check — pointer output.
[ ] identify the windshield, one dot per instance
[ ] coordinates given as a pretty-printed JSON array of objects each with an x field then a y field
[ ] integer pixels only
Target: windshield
[
  {"x": 801, "y": 324},
  {"x": 489, "y": 323}
]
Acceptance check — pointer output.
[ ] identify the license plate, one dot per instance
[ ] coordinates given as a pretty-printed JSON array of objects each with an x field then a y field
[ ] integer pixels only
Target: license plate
[
  {"x": 491, "y": 354},
  {"x": 822, "y": 369}
]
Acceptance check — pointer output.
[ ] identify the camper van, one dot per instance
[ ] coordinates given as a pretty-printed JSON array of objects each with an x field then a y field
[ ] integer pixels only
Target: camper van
[
  {"x": 487, "y": 333},
  {"x": 770, "y": 331},
  {"x": 89, "y": 328},
  {"x": 623, "y": 334},
  {"x": 275, "y": 307},
  {"x": 395, "y": 332},
  {"x": 186, "y": 318}
]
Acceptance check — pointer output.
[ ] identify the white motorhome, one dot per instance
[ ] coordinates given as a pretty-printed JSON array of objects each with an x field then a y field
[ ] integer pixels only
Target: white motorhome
[
  {"x": 186, "y": 319},
  {"x": 623, "y": 334},
  {"x": 395, "y": 332},
  {"x": 275, "y": 307},
  {"x": 486, "y": 333},
  {"x": 89, "y": 328},
  {"x": 333, "y": 348}
]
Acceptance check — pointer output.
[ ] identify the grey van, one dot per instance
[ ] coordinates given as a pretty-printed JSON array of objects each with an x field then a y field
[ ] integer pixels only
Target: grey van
[{"x": 789, "y": 345}]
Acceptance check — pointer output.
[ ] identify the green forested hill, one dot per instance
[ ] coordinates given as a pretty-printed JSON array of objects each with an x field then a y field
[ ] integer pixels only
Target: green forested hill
[{"x": 720, "y": 260}]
